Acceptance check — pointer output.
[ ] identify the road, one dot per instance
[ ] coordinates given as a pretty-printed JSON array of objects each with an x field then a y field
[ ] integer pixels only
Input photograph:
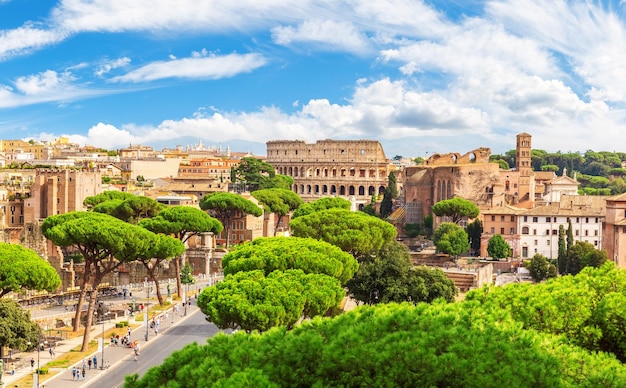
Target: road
[{"x": 193, "y": 329}]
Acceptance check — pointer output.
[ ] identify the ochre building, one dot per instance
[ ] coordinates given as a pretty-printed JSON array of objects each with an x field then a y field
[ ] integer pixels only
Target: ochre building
[{"x": 352, "y": 169}]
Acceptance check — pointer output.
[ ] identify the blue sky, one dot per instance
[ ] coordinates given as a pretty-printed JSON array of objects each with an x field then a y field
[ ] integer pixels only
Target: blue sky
[{"x": 419, "y": 76}]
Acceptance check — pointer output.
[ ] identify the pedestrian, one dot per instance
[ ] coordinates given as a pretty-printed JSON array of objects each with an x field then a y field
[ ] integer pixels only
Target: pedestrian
[
  {"x": 128, "y": 331},
  {"x": 95, "y": 362},
  {"x": 84, "y": 364},
  {"x": 32, "y": 363},
  {"x": 156, "y": 330},
  {"x": 12, "y": 369},
  {"x": 73, "y": 373},
  {"x": 51, "y": 352},
  {"x": 84, "y": 374},
  {"x": 136, "y": 350},
  {"x": 89, "y": 363}
]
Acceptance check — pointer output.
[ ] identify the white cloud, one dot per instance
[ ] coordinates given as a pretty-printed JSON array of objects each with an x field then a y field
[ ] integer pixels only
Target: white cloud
[
  {"x": 43, "y": 83},
  {"x": 109, "y": 65},
  {"x": 25, "y": 39},
  {"x": 212, "y": 67},
  {"x": 326, "y": 34}
]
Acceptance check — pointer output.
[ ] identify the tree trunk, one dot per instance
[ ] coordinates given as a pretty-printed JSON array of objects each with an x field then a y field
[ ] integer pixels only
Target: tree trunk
[
  {"x": 158, "y": 292},
  {"x": 79, "y": 305},
  {"x": 177, "y": 266},
  {"x": 88, "y": 318}
]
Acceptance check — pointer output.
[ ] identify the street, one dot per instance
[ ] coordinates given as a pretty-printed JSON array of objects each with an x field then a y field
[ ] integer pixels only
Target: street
[{"x": 194, "y": 329}]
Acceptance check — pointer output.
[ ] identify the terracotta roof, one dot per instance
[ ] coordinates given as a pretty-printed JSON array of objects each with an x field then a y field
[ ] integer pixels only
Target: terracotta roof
[
  {"x": 507, "y": 209},
  {"x": 398, "y": 214}
]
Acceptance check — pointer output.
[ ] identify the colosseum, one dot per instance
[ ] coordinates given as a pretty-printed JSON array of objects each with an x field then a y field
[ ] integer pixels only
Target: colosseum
[{"x": 351, "y": 169}]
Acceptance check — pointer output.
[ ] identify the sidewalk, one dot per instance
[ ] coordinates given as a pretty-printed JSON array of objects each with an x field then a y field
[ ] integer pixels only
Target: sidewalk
[{"x": 112, "y": 354}]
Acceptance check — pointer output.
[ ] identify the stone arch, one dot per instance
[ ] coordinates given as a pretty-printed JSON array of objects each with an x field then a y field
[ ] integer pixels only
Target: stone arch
[
  {"x": 351, "y": 190},
  {"x": 342, "y": 190},
  {"x": 333, "y": 190},
  {"x": 371, "y": 190},
  {"x": 381, "y": 190},
  {"x": 449, "y": 191},
  {"x": 361, "y": 190},
  {"x": 316, "y": 189},
  {"x": 324, "y": 189}
]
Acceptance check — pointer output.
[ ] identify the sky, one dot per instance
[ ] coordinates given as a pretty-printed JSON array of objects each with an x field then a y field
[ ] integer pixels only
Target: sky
[{"x": 421, "y": 77}]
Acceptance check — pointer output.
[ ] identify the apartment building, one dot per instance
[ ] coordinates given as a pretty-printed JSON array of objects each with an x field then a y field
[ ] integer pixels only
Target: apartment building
[{"x": 536, "y": 230}]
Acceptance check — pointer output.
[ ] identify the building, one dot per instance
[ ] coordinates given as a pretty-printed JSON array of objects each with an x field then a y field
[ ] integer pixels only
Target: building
[
  {"x": 536, "y": 231},
  {"x": 470, "y": 176},
  {"x": 614, "y": 229},
  {"x": 352, "y": 169}
]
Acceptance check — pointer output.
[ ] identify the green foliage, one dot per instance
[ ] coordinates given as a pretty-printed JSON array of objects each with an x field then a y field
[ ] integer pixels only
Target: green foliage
[
  {"x": 22, "y": 269},
  {"x": 278, "y": 201},
  {"x": 16, "y": 327},
  {"x": 390, "y": 345},
  {"x": 281, "y": 253},
  {"x": 252, "y": 301},
  {"x": 428, "y": 224},
  {"x": 186, "y": 275},
  {"x": 109, "y": 195},
  {"x": 418, "y": 160},
  {"x": 386, "y": 204},
  {"x": 451, "y": 239},
  {"x": 562, "y": 255},
  {"x": 132, "y": 209},
  {"x": 321, "y": 204},
  {"x": 583, "y": 254},
  {"x": 456, "y": 209},
  {"x": 584, "y": 309},
  {"x": 182, "y": 222},
  {"x": 392, "y": 185},
  {"x": 228, "y": 206},
  {"x": 354, "y": 232},
  {"x": 538, "y": 267},
  {"x": 498, "y": 248},
  {"x": 474, "y": 231},
  {"x": 257, "y": 175},
  {"x": 411, "y": 230},
  {"x": 550, "y": 167},
  {"x": 391, "y": 276}
]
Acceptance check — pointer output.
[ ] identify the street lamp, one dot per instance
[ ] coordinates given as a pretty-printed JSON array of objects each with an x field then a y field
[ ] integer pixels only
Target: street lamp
[
  {"x": 145, "y": 316},
  {"x": 373, "y": 296},
  {"x": 102, "y": 315}
]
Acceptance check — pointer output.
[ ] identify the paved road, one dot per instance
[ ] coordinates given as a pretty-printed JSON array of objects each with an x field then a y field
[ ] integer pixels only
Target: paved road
[{"x": 193, "y": 329}]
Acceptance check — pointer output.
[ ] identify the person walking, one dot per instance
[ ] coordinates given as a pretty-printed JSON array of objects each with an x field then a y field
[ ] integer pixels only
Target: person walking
[
  {"x": 32, "y": 363},
  {"x": 95, "y": 362},
  {"x": 12, "y": 369},
  {"x": 84, "y": 374},
  {"x": 73, "y": 373},
  {"x": 89, "y": 363},
  {"x": 136, "y": 350}
]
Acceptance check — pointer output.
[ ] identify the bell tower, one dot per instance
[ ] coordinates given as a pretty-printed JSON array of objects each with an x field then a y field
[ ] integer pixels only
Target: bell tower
[{"x": 524, "y": 167}]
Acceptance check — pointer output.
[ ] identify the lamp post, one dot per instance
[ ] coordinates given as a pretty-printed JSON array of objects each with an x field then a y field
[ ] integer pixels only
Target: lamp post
[
  {"x": 102, "y": 316},
  {"x": 145, "y": 316}
]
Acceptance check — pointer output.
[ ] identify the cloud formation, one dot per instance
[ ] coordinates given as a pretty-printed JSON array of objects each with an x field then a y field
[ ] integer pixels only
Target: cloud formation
[{"x": 441, "y": 76}]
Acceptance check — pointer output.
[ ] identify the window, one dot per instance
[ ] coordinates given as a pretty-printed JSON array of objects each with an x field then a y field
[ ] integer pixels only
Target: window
[
  {"x": 586, "y": 233},
  {"x": 501, "y": 230},
  {"x": 493, "y": 230},
  {"x": 535, "y": 232},
  {"x": 555, "y": 232},
  {"x": 547, "y": 219},
  {"x": 547, "y": 242},
  {"x": 576, "y": 233},
  {"x": 586, "y": 220},
  {"x": 536, "y": 242},
  {"x": 525, "y": 218},
  {"x": 535, "y": 219},
  {"x": 547, "y": 232},
  {"x": 595, "y": 232},
  {"x": 595, "y": 242},
  {"x": 577, "y": 219},
  {"x": 493, "y": 218},
  {"x": 554, "y": 219},
  {"x": 512, "y": 230},
  {"x": 501, "y": 218},
  {"x": 512, "y": 218},
  {"x": 525, "y": 230},
  {"x": 596, "y": 220}
]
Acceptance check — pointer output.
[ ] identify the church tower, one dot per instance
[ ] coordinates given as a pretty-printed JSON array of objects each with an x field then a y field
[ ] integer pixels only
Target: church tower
[{"x": 523, "y": 165}]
